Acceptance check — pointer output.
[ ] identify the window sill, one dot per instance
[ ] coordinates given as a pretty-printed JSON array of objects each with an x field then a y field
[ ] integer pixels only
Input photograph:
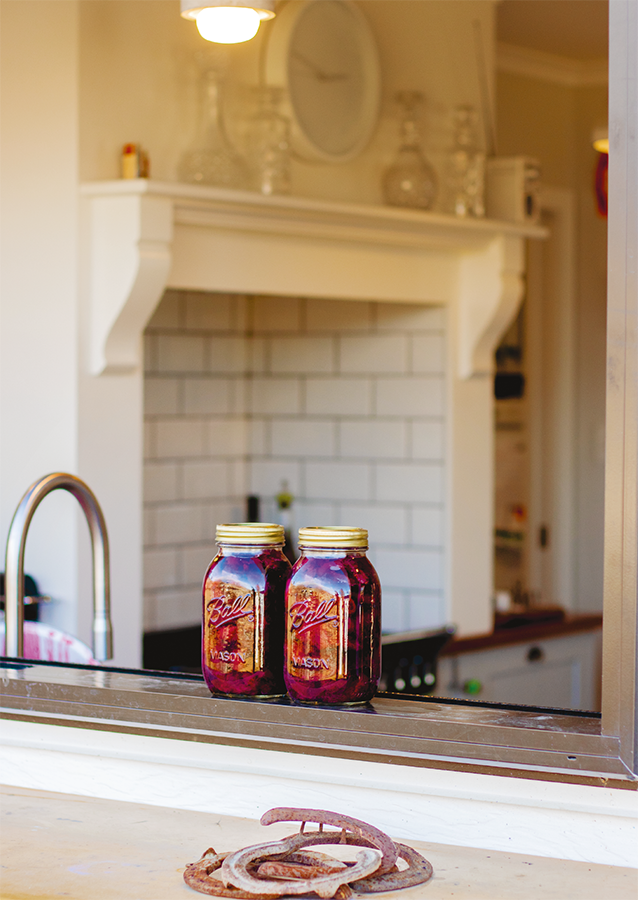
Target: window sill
[{"x": 548, "y": 745}]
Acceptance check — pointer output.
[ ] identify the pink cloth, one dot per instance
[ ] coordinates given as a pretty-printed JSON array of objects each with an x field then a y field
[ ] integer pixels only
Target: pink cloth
[{"x": 45, "y": 642}]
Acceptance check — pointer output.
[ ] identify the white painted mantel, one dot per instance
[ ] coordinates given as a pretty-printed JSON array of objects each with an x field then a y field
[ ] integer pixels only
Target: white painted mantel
[{"x": 146, "y": 236}]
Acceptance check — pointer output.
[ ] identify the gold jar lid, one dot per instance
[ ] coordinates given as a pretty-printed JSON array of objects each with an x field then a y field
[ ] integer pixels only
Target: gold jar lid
[
  {"x": 337, "y": 536},
  {"x": 250, "y": 533}
]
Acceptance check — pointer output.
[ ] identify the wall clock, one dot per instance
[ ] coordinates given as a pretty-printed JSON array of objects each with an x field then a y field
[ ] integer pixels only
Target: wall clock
[{"x": 324, "y": 54}]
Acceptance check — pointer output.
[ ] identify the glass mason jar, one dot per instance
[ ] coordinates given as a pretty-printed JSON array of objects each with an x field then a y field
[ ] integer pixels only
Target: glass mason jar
[
  {"x": 333, "y": 619},
  {"x": 243, "y": 616}
]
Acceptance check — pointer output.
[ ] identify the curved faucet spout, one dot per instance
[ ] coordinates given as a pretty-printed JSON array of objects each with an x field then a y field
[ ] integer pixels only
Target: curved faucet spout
[{"x": 14, "y": 563}]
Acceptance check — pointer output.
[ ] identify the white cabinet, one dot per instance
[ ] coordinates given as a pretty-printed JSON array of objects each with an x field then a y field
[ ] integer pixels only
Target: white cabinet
[{"x": 561, "y": 672}]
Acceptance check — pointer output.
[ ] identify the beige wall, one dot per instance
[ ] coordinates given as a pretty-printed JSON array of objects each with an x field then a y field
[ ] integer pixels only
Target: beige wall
[{"x": 139, "y": 83}]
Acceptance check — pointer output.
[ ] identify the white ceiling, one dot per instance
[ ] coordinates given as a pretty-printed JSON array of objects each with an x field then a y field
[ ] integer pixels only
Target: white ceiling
[{"x": 575, "y": 28}]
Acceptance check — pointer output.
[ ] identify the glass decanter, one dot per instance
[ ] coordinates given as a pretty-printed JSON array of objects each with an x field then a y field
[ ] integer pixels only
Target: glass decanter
[
  {"x": 410, "y": 181},
  {"x": 269, "y": 142},
  {"x": 213, "y": 160},
  {"x": 467, "y": 166}
]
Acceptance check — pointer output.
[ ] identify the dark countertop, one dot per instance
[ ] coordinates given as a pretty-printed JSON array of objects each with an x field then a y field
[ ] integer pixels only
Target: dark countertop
[{"x": 523, "y": 633}]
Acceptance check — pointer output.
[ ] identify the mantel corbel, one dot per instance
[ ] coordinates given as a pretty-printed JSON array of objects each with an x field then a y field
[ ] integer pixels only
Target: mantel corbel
[
  {"x": 131, "y": 240},
  {"x": 490, "y": 290}
]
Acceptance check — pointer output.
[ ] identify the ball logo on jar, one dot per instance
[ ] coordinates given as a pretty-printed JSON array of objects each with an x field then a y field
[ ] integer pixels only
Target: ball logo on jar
[
  {"x": 317, "y": 633},
  {"x": 233, "y": 637},
  {"x": 221, "y": 610},
  {"x": 304, "y": 615}
]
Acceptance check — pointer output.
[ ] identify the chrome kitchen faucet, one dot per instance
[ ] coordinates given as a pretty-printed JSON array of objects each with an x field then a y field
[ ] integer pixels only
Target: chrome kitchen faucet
[{"x": 14, "y": 563}]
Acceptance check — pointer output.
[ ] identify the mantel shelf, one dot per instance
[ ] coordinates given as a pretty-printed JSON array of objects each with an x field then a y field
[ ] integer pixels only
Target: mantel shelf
[
  {"x": 146, "y": 236},
  {"x": 246, "y": 210}
]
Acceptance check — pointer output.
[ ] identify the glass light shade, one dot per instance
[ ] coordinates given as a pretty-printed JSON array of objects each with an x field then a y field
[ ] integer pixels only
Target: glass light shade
[
  {"x": 228, "y": 24},
  {"x": 228, "y": 21}
]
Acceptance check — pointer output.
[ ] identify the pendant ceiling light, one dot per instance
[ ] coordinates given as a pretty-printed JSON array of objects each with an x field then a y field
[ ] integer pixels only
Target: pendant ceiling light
[{"x": 228, "y": 21}]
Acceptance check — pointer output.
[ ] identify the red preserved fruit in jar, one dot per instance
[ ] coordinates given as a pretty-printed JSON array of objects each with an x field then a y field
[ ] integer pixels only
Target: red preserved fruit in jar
[
  {"x": 333, "y": 619},
  {"x": 243, "y": 619}
]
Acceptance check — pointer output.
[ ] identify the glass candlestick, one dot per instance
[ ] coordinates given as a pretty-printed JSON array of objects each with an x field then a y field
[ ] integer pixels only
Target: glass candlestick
[
  {"x": 467, "y": 166},
  {"x": 410, "y": 181},
  {"x": 269, "y": 141},
  {"x": 213, "y": 160}
]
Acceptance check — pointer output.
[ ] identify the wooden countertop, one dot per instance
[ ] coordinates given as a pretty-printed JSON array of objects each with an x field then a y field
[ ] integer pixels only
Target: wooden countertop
[
  {"x": 522, "y": 634},
  {"x": 59, "y": 845}
]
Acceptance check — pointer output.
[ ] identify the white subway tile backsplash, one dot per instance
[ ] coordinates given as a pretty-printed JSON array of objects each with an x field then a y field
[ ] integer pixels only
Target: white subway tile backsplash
[
  {"x": 394, "y": 612},
  {"x": 338, "y": 396},
  {"x": 338, "y": 480},
  {"x": 373, "y": 354},
  {"x": 386, "y": 524},
  {"x": 219, "y": 511},
  {"x": 149, "y": 611},
  {"x": 259, "y": 437},
  {"x": 226, "y": 354},
  {"x": 410, "y": 317},
  {"x": 428, "y": 353},
  {"x": 204, "y": 480},
  {"x": 195, "y": 561},
  {"x": 176, "y": 438},
  {"x": 180, "y": 353},
  {"x": 257, "y": 355},
  {"x": 167, "y": 312},
  {"x": 343, "y": 400},
  {"x": 239, "y": 477},
  {"x": 410, "y": 396},
  {"x": 208, "y": 312},
  {"x": 160, "y": 568},
  {"x": 276, "y": 314},
  {"x": 408, "y": 568},
  {"x": 314, "y": 512},
  {"x": 150, "y": 352},
  {"x": 338, "y": 315},
  {"x": 270, "y": 395},
  {"x": 409, "y": 482},
  {"x": 374, "y": 439},
  {"x": 181, "y": 523},
  {"x": 208, "y": 396},
  {"x": 427, "y": 526},
  {"x": 266, "y": 477},
  {"x": 428, "y": 440},
  {"x": 177, "y": 609},
  {"x": 302, "y": 355},
  {"x": 161, "y": 482},
  {"x": 161, "y": 396},
  {"x": 149, "y": 440},
  {"x": 302, "y": 437},
  {"x": 227, "y": 436},
  {"x": 148, "y": 525}
]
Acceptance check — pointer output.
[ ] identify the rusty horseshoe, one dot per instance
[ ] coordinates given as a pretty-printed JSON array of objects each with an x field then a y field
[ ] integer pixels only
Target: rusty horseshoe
[
  {"x": 235, "y": 869},
  {"x": 418, "y": 872},
  {"x": 374, "y": 836},
  {"x": 197, "y": 876}
]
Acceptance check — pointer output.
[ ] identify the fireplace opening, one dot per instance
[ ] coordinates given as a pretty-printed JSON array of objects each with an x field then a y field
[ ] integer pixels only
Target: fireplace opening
[{"x": 342, "y": 400}]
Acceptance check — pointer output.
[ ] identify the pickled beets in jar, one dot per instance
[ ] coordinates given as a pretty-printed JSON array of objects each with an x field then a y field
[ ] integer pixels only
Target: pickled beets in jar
[
  {"x": 243, "y": 620},
  {"x": 333, "y": 619}
]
